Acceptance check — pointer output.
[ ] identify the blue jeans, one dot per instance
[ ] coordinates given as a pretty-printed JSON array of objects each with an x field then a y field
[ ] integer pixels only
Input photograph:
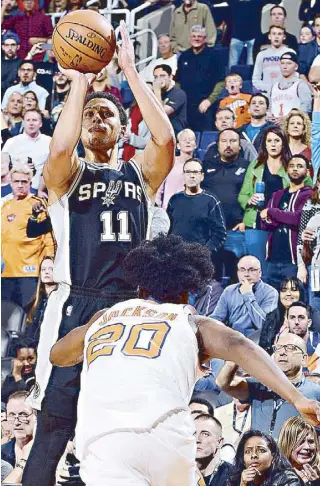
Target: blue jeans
[
  {"x": 256, "y": 241},
  {"x": 235, "y": 243},
  {"x": 277, "y": 271},
  {"x": 236, "y": 47}
]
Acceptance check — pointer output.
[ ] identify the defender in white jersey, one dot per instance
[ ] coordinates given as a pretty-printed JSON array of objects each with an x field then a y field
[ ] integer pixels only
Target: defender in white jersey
[{"x": 135, "y": 428}]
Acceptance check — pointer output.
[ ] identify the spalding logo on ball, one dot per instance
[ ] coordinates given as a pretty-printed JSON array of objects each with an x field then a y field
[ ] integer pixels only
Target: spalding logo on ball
[{"x": 84, "y": 40}]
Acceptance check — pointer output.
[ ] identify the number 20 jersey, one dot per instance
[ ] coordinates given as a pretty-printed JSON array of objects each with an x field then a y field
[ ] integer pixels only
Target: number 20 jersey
[
  {"x": 139, "y": 366},
  {"x": 103, "y": 216}
]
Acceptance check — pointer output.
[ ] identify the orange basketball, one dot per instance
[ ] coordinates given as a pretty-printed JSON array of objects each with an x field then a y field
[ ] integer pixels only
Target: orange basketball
[{"x": 84, "y": 40}]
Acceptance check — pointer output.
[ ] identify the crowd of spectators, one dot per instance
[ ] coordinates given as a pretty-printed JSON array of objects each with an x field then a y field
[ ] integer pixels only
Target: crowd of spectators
[{"x": 245, "y": 108}]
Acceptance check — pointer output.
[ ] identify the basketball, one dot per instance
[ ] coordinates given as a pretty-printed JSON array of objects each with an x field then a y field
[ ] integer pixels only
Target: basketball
[{"x": 84, "y": 40}]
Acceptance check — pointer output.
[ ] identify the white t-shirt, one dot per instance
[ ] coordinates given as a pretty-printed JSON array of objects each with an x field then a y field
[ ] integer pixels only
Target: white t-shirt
[{"x": 316, "y": 62}]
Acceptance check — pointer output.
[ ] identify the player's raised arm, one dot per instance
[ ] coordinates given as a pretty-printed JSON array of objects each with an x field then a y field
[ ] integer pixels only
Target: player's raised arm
[
  {"x": 157, "y": 158},
  {"x": 218, "y": 341},
  {"x": 62, "y": 163}
]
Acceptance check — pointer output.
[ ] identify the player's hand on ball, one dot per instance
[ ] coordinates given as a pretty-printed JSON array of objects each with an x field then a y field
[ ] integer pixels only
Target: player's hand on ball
[
  {"x": 73, "y": 74},
  {"x": 126, "y": 56}
]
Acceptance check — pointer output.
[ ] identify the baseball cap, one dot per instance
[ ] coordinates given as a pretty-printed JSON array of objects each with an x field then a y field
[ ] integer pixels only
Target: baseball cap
[
  {"x": 291, "y": 56},
  {"x": 12, "y": 36}
]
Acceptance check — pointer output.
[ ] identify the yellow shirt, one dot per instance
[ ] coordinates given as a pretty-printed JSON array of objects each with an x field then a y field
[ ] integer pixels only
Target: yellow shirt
[{"x": 22, "y": 255}]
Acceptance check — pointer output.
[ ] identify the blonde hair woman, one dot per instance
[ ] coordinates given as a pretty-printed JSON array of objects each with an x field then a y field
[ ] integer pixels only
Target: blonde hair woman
[{"x": 297, "y": 127}]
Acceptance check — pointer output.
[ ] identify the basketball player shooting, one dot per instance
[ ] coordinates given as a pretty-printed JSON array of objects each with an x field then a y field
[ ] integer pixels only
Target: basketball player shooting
[
  {"x": 139, "y": 368},
  {"x": 99, "y": 212}
]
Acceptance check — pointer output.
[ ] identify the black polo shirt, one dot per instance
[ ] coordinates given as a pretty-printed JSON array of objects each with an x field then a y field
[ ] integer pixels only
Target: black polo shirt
[{"x": 176, "y": 99}]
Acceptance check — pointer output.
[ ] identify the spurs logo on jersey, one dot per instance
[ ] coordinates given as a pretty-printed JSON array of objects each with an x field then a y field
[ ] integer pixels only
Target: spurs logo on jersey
[{"x": 109, "y": 192}]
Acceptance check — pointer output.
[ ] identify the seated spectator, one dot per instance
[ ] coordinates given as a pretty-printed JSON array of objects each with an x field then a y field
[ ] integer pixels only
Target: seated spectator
[
  {"x": 174, "y": 182},
  {"x": 237, "y": 101},
  {"x": 13, "y": 113},
  {"x": 101, "y": 83},
  {"x": 167, "y": 57},
  {"x": 297, "y": 127},
  {"x": 267, "y": 70},
  {"x": 199, "y": 405},
  {"x": 5, "y": 174},
  {"x": 10, "y": 44},
  {"x": 30, "y": 102},
  {"x": 26, "y": 74},
  {"x": 291, "y": 92},
  {"x": 31, "y": 26},
  {"x": 269, "y": 169},
  {"x": 308, "y": 249},
  {"x": 298, "y": 442},
  {"x": 38, "y": 303},
  {"x": 22, "y": 256},
  {"x": 307, "y": 50},
  {"x": 268, "y": 410},
  {"x": 235, "y": 419},
  {"x": 196, "y": 215},
  {"x": 136, "y": 135},
  {"x": 190, "y": 13},
  {"x": 209, "y": 442},
  {"x": 281, "y": 218},
  {"x": 245, "y": 305},
  {"x": 225, "y": 119},
  {"x": 255, "y": 130},
  {"x": 291, "y": 290},
  {"x": 299, "y": 323},
  {"x": 172, "y": 98},
  {"x": 10, "y": 9},
  {"x": 23, "y": 418},
  {"x": 307, "y": 34},
  {"x": 278, "y": 16},
  {"x": 32, "y": 143},
  {"x": 259, "y": 462},
  {"x": 22, "y": 377}
]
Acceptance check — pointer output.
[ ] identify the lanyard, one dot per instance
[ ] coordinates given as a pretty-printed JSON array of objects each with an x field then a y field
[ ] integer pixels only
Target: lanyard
[
  {"x": 277, "y": 403},
  {"x": 234, "y": 419}
]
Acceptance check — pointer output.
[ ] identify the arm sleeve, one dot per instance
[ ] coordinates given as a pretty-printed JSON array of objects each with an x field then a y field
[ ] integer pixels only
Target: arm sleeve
[
  {"x": 36, "y": 229},
  {"x": 246, "y": 191},
  {"x": 10, "y": 386},
  {"x": 140, "y": 141},
  {"x": 210, "y": 28},
  {"x": 216, "y": 91},
  {"x": 218, "y": 232},
  {"x": 257, "y": 77},
  {"x": 221, "y": 311},
  {"x": 258, "y": 312},
  {"x": 305, "y": 97},
  {"x": 305, "y": 217},
  {"x": 48, "y": 25},
  {"x": 173, "y": 34},
  {"x": 9, "y": 24},
  {"x": 290, "y": 218}
]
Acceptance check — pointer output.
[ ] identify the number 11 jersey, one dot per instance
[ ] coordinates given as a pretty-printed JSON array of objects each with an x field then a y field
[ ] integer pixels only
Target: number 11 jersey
[{"x": 97, "y": 222}]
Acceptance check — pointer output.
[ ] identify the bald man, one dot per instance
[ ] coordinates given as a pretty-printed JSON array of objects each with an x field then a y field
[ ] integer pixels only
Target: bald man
[
  {"x": 244, "y": 306},
  {"x": 268, "y": 410}
]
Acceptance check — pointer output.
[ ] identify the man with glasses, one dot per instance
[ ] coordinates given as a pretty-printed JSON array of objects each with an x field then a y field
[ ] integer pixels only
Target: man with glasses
[
  {"x": 10, "y": 44},
  {"x": 244, "y": 306},
  {"x": 269, "y": 411},
  {"x": 196, "y": 215},
  {"x": 22, "y": 418}
]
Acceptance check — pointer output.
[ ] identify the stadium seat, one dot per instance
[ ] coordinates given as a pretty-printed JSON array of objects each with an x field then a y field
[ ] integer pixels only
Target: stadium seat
[
  {"x": 198, "y": 137},
  {"x": 223, "y": 57},
  {"x": 5, "y": 339},
  {"x": 201, "y": 153},
  {"x": 244, "y": 70},
  {"x": 12, "y": 317},
  {"x": 6, "y": 367},
  {"x": 207, "y": 138}
]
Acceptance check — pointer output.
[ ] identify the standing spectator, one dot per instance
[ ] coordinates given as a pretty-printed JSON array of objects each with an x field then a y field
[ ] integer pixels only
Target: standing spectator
[
  {"x": 308, "y": 249},
  {"x": 244, "y": 306},
  {"x": 255, "y": 130},
  {"x": 10, "y": 44},
  {"x": 174, "y": 99},
  {"x": 314, "y": 73},
  {"x": 26, "y": 73},
  {"x": 11, "y": 9},
  {"x": 259, "y": 462},
  {"x": 208, "y": 457},
  {"x": 175, "y": 181},
  {"x": 291, "y": 92},
  {"x": 136, "y": 135},
  {"x": 22, "y": 256},
  {"x": 59, "y": 95},
  {"x": 246, "y": 18},
  {"x": 30, "y": 102},
  {"x": 282, "y": 218},
  {"x": 315, "y": 133},
  {"x": 307, "y": 50},
  {"x": 32, "y": 143},
  {"x": 267, "y": 69},
  {"x": 236, "y": 100},
  {"x": 191, "y": 13},
  {"x": 22, "y": 377},
  {"x": 306, "y": 11},
  {"x": 268, "y": 410},
  {"x": 31, "y": 26},
  {"x": 269, "y": 168},
  {"x": 298, "y": 441},
  {"x": 13, "y": 112},
  {"x": 167, "y": 57},
  {"x": 297, "y": 127},
  {"x": 224, "y": 177},
  {"x": 196, "y": 215},
  {"x": 199, "y": 69},
  {"x": 307, "y": 34},
  {"x": 278, "y": 16},
  {"x": 5, "y": 174}
]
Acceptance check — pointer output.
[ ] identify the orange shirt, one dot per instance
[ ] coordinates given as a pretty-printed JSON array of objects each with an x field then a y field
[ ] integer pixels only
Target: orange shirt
[
  {"x": 239, "y": 105},
  {"x": 20, "y": 254}
]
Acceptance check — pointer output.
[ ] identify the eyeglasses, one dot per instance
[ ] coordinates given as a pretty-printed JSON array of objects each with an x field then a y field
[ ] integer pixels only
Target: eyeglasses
[
  {"x": 22, "y": 417},
  {"x": 287, "y": 348},
  {"x": 251, "y": 270},
  {"x": 192, "y": 172}
]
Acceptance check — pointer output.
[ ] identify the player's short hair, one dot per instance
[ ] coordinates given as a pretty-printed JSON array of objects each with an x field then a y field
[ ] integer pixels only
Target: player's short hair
[
  {"x": 225, "y": 109},
  {"x": 273, "y": 26},
  {"x": 204, "y": 402},
  {"x": 300, "y": 156},
  {"x": 301, "y": 304},
  {"x": 113, "y": 99},
  {"x": 261, "y": 95},
  {"x": 21, "y": 168},
  {"x": 164, "y": 67},
  {"x": 208, "y": 417},
  {"x": 279, "y": 6},
  {"x": 167, "y": 267}
]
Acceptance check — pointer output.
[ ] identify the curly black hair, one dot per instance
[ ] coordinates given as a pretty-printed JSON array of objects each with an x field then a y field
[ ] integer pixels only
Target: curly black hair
[
  {"x": 167, "y": 267},
  {"x": 113, "y": 99}
]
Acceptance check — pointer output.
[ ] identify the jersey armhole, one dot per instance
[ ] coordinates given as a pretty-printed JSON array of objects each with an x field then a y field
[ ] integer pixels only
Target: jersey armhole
[{"x": 77, "y": 178}]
